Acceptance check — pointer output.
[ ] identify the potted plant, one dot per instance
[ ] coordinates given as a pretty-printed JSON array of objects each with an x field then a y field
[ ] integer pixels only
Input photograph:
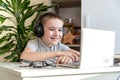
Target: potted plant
[{"x": 17, "y": 36}]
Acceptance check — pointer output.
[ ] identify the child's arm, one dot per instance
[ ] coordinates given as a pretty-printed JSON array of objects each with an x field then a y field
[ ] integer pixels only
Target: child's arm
[{"x": 28, "y": 54}]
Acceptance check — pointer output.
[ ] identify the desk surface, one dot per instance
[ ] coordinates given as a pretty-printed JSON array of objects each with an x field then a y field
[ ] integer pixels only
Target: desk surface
[{"x": 51, "y": 71}]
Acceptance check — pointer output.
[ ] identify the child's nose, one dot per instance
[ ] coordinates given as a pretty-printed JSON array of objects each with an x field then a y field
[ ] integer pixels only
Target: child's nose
[{"x": 56, "y": 32}]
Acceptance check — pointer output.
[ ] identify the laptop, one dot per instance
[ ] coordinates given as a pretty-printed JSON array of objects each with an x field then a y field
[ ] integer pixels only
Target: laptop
[{"x": 97, "y": 48}]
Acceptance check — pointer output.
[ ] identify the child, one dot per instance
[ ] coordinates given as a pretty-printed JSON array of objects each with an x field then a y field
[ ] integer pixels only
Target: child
[{"x": 47, "y": 45}]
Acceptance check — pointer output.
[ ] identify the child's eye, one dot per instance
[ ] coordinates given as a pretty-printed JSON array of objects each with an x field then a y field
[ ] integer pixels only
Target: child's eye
[
  {"x": 60, "y": 30},
  {"x": 51, "y": 29}
]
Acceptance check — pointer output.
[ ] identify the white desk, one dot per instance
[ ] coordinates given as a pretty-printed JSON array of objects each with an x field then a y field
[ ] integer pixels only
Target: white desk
[{"x": 12, "y": 71}]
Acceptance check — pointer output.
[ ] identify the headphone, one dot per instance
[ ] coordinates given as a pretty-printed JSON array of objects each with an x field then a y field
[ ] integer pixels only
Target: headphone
[{"x": 38, "y": 30}]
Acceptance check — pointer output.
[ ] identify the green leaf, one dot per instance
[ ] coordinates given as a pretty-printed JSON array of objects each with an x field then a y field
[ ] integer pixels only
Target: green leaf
[
  {"x": 11, "y": 55},
  {"x": 4, "y": 51},
  {"x": 2, "y": 20},
  {"x": 8, "y": 3},
  {"x": 4, "y": 39},
  {"x": 1, "y": 2},
  {"x": 8, "y": 45},
  {"x": 7, "y": 37},
  {"x": 7, "y": 7},
  {"x": 15, "y": 59},
  {"x": 7, "y": 28},
  {"x": 4, "y": 27},
  {"x": 24, "y": 5}
]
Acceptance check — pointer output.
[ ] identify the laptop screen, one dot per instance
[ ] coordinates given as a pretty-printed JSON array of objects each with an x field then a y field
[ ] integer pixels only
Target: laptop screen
[{"x": 97, "y": 48}]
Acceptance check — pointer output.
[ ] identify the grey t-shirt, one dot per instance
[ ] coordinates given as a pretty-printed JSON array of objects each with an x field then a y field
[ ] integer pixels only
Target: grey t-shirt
[{"x": 37, "y": 45}]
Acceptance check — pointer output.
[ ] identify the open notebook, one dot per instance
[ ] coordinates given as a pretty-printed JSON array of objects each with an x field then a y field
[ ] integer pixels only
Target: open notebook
[{"x": 97, "y": 49}]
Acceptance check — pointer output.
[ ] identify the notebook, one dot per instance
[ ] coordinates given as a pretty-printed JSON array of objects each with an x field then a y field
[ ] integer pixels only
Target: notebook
[{"x": 97, "y": 48}]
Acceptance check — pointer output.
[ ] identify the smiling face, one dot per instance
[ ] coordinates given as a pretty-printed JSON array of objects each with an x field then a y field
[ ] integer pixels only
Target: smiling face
[{"x": 52, "y": 31}]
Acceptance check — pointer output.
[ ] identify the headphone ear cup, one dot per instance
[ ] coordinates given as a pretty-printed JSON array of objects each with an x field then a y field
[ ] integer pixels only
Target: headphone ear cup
[{"x": 38, "y": 30}]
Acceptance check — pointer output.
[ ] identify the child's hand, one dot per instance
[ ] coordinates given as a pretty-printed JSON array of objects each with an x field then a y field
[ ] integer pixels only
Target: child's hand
[
  {"x": 64, "y": 60},
  {"x": 74, "y": 55}
]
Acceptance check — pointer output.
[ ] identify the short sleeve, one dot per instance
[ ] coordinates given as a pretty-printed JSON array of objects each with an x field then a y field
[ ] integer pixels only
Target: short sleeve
[
  {"x": 32, "y": 44},
  {"x": 64, "y": 47}
]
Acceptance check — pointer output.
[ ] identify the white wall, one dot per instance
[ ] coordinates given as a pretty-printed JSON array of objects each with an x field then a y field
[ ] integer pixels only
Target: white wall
[{"x": 102, "y": 14}]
